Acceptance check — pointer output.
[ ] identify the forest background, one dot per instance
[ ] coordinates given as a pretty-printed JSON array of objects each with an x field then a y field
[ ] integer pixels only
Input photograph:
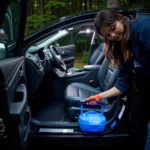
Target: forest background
[{"x": 43, "y": 12}]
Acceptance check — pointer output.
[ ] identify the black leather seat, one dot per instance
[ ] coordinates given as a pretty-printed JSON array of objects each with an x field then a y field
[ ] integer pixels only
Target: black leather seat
[
  {"x": 96, "y": 58},
  {"x": 75, "y": 92}
]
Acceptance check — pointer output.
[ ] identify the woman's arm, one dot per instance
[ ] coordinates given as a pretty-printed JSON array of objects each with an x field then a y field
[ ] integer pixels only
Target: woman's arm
[
  {"x": 110, "y": 93},
  {"x": 122, "y": 84}
]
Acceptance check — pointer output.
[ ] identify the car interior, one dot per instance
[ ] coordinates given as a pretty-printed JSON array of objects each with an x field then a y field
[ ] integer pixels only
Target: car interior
[
  {"x": 56, "y": 101},
  {"x": 55, "y": 98}
]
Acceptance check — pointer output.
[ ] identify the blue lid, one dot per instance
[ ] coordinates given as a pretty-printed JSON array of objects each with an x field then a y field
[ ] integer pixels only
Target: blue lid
[{"x": 92, "y": 118}]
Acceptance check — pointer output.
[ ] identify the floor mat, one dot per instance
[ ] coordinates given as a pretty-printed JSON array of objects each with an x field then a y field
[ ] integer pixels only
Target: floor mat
[{"x": 51, "y": 112}]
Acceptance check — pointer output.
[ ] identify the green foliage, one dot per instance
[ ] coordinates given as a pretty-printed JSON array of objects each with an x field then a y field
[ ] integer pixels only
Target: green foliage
[
  {"x": 54, "y": 3},
  {"x": 83, "y": 43},
  {"x": 35, "y": 22},
  {"x": 124, "y": 3},
  {"x": 80, "y": 46},
  {"x": 137, "y": 4},
  {"x": 102, "y": 4},
  {"x": 85, "y": 56},
  {"x": 78, "y": 62},
  {"x": 55, "y": 9}
]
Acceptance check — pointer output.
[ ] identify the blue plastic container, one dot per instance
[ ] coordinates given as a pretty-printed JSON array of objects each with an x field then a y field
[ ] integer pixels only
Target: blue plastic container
[{"x": 92, "y": 121}]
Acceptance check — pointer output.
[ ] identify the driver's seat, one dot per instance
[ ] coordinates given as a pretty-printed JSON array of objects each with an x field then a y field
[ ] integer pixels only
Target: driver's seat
[{"x": 75, "y": 92}]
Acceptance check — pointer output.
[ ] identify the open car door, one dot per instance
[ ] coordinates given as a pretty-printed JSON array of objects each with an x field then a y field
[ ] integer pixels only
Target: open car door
[{"x": 14, "y": 110}]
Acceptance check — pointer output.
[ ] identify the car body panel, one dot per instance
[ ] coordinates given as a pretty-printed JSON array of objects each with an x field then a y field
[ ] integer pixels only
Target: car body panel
[{"x": 15, "y": 110}]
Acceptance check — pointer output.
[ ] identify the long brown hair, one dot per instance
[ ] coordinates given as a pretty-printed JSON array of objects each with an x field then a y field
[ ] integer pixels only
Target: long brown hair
[{"x": 118, "y": 51}]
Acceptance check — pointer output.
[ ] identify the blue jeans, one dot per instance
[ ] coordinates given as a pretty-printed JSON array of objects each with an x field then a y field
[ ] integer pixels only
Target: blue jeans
[{"x": 147, "y": 145}]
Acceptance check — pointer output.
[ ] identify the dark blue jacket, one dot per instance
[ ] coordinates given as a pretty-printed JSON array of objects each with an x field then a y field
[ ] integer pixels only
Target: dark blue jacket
[{"x": 140, "y": 46}]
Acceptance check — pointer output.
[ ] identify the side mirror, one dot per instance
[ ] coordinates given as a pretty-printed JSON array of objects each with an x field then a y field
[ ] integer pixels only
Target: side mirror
[{"x": 3, "y": 50}]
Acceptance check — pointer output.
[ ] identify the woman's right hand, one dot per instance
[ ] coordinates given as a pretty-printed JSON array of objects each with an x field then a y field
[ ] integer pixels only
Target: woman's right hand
[{"x": 93, "y": 99}]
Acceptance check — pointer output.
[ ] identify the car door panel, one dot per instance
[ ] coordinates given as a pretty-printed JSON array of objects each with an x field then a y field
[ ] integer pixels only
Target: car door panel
[
  {"x": 16, "y": 115},
  {"x": 68, "y": 54}
]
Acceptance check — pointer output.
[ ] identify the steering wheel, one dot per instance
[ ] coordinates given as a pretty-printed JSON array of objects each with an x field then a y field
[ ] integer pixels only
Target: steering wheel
[{"x": 58, "y": 64}]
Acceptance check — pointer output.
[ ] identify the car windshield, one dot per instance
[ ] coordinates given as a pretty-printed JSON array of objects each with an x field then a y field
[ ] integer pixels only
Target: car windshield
[{"x": 9, "y": 29}]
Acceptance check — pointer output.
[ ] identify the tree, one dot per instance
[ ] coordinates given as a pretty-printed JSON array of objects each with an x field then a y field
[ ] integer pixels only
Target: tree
[
  {"x": 113, "y": 3},
  {"x": 42, "y": 7}
]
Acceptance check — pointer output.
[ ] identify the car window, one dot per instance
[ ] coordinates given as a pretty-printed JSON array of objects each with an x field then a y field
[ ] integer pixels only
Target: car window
[
  {"x": 9, "y": 30},
  {"x": 83, "y": 43},
  {"x": 60, "y": 38},
  {"x": 68, "y": 39}
]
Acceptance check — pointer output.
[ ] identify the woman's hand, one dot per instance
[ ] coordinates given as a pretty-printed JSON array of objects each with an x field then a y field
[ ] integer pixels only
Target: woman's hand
[{"x": 93, "y": 99}]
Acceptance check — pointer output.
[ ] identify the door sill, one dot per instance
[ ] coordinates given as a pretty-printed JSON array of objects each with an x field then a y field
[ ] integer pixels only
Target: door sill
[
  {"x": 54, "y": 124},
  {"x": 66, "y": 128}
]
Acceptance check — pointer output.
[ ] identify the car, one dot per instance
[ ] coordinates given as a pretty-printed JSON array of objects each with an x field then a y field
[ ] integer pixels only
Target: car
[{"x": 41, "y": 90}]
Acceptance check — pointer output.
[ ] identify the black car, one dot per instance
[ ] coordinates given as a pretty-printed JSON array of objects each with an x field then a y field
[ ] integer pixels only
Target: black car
[{"x": 40, "y": 91}]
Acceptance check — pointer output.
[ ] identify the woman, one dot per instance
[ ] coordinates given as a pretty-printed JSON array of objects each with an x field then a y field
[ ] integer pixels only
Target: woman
[{"x": 126, "y": 42}]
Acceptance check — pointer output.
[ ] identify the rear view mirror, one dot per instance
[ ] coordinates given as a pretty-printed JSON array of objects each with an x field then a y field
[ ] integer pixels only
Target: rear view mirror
[{"x": 2, "y": 51}]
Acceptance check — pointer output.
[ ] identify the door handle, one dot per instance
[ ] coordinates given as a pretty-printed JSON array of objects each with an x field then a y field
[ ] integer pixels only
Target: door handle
[
  {"x": 62, "y": 51},
  {"x": 18, "y": 106}
]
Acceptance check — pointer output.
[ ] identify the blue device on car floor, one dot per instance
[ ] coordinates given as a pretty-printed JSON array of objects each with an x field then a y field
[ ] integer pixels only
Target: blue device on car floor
[{"x": 92, "y": 121}]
